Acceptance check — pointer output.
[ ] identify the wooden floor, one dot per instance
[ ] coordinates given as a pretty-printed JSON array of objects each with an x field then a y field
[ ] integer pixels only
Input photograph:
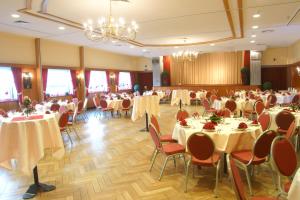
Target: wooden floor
[{"x": 111, "y": 161}]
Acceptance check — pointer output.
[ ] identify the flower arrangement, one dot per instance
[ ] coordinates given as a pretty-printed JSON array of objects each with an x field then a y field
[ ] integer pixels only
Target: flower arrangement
[
  {"x": 183, "y": 122},
  {"x": 242, "y": 125},
  {"x": 27, "y": 103},
  {"x": 209, "y": 126},
  {"x": 215, "y": 119}
]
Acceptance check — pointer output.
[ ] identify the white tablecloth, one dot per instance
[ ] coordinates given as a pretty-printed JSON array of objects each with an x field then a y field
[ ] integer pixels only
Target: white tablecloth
[
  {"x": 116, "y": 104},
  {"x": 47, "y": 106},
  {"x": 25, "y": 141},
  {"x": 281, "y": 99},
  {"x": 294, "y": 192},
  {"x": 240, "y": 104},
  {"x": 143, "y": 104},
  {"x": 183, "y": 95},
  {"x": 161, "y": 94},
  {"x": 274, "y": 111},
  {"x": 226, "y": 137}
]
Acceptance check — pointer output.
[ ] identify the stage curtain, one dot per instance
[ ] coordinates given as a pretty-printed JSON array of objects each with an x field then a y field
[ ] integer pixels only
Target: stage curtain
[
  {"x": 74, "y": 82},
  {"x": 208, "y": 68},
  {"x": 17, "y": 74},
  {"x": 87, "y": 75}
]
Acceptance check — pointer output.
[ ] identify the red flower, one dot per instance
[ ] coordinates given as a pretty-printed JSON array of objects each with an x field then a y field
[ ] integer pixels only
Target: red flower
[
  {"x": 209, "y": 126},
  {"x": 255, "y": 122},
  {"x": 242, "y": 125},
  {"x": 183, "y": 122}
]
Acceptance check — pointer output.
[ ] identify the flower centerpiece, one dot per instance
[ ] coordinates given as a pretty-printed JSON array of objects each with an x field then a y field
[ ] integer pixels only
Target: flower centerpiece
[
  {"x": 27, "y": 103},
  {"x": 215, "y": 119}
]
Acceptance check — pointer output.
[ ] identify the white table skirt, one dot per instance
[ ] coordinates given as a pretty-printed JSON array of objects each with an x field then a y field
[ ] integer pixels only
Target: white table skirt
[
  {"x": 25, "y": 141},
  {"x": 227, "y": 139},
  {"x": 294, "y": 192},
  {"x": 183, "y": 95},
  {"x": 116, "y": 104},
  {"x": 143, "y": 104},
  {"x": 47, "y": 106}
]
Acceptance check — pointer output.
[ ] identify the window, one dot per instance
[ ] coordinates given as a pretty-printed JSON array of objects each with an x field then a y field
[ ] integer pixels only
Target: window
[
  {"x": 98, "y": 81},
  {"x": 59, "y": 82},
  {"x": 124, "y": 81},
  {"x": 7, "y": 88}
]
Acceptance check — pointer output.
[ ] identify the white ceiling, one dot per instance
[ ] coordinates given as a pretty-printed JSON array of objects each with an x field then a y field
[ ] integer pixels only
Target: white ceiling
[{"x": 164, "y": 22}]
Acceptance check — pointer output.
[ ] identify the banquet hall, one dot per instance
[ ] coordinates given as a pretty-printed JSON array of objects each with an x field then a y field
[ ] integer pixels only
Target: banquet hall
[{"x": 140, "y": 99}]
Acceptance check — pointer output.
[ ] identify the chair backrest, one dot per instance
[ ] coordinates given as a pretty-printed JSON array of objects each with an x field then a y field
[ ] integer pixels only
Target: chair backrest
[
  {"x": 205, "y": 104},
  {"x": 284, "y": 119},
  {"x": 226, "y": 112},
  {"x": 236, "y": 179},
  {"x": 126, "y": 103},
  {"x": 154, "y": 93},
  {"x": 265, "y": 120},
  {"x": 231, "y": 105},
  {"x": 193, "y": 95},
  {"x": 103, "y": 103},
  {"x": 259, "y": 107},
  {"x": 201, "y": 146},
  {"x": 296, "y": 99},
  {"x": 3, "y": 113},
  {"x": 208, "y": 94},
  {"x": 251, "y": 95},
  {"x": 63, "y": 120},
  {"x": 291, "y": 130},
  {"x": 182, "y": 114},
  {"x": 80, "y": 106},
  {"x": 272, "y": 98},
  {"x": 263, "y": 144},
  {"x": 154, "y": 122},
  {"x": 154, "y": 135},
  {"x": 284, "y": 157},
  {"x": 54, "y": 107}
]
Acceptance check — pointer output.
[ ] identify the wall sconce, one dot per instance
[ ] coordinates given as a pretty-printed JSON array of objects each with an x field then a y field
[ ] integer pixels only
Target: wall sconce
[
  {"x": 27, "y": 80},
  {"x": 79, "y": 77},
  {"x": 298, "y": 70},
  {"x": 112, "y": 77}
]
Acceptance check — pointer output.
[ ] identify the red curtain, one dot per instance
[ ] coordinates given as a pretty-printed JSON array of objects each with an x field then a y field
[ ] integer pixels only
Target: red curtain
[
  {"x": 133, "y": 78},
  {"x": 74, "y": 82},
  {"x": 247, "y": 58},
  {"x": 117, "y": 78},
  {"x": 107, "y": 79},
  {"x": 17, "y": 73},
  {"x": 44, "y": 77},
  {"x": 87, "y": 75},
  {"x": 167, "y": 64}
]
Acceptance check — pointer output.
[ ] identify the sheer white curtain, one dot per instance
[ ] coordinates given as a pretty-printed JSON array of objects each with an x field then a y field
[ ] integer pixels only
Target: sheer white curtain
[
  {"x": 98, "y": 82},
  {"x": 59, "y": 82},
  {"x": 7, "y": 88}
]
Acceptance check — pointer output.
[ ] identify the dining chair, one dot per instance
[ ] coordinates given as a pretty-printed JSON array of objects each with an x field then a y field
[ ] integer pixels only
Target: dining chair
[
  {"x": 208, "y": 94},
  {"x": 259, "y": 107},
  {"x": 154, "y": 93},
  {"x": 257, "y": 155},
  {"x": 126, "y": 105},
  {"x": 63, "y": 124},
  {"x": 193, "y": 97},
  {"x": 54, "y": 107},
  {"x": 213, "y": 97},
  {"x": 272, "y": 99},
  {"x": 72, "y": 121},
  {"x": 162, "y": 137},
  {"x": 105, "y": 108},
  {"x": 264, "y": 120},
  {"x": 283, "y": 120},
  {"x": 237, "y": 183},
  {"x": 202, "y": 153},
  {"x": 284, "y": 159},
  {"x": 3, "y": 113},
  {"x": 231, "y": 105},
  {"x": 96, "y": 101},
  {"x": 207, "y": 109},
  {"x": 182, "y": 114},
  {"x": 226, "y": 113},
  {"x": 169, "y": 150},
  {"x": 296, "y": 99},
  {"x": 81, "y": 111}
]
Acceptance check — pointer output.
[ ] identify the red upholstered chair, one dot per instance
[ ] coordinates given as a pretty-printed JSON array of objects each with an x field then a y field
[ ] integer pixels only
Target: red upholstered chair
[
  {"x": 182, "y": 114},
  {"x": 3, "y": 113},
  {"x": 231, "y": 105},
  {"x": 284, "y": 160},
  {"x": 202, "y": 150},
  {"x": 258, "y": 155},
  {"x": 162, "y": 137},
  {"x": 193, "y": 97},
  {"x": 207, "y": 108},
  {"x": 169, "y": 150},
  {"x": 237, "y": 182},
  {"x": 208, "y": 94},
  {"x": 126, "y": 106},
  {"x": 63, "y": 125},
  {"x": 291, "y": 130},
  {"x": 154, "y": 93},
  {"x": 55, "y": 107},
  {"x": 259, "y": 107},
  {"x": 213, "y": 98},
  {"x": 82, "y": 107},
  {"x": 265, "y": 120},
  {"x": 226, "y": 112},
  {"x": 105, "y": 108},
  {"x": 283, "y": 120},
  {"x": 272, "y": 99},
  {"x": 96, "y": 101},
  {"x": 296, "y": 99}
]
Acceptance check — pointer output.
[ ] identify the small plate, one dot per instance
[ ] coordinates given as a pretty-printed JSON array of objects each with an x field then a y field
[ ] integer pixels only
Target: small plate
[
  {"x": 209, "y": 130},
  {"x": 188, "y": 126}
]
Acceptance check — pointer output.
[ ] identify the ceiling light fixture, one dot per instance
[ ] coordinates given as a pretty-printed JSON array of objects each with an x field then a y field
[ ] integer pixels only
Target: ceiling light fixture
[
  {"x": 252, "y": 41},
  {"x": 255, "y": 27},
  {"x": 186, "y": 54},
  {"x": 131, "y": 46},
  {"x": 257, "y": 15},
  {"x": 253, "y": 36},
  {"x": 61, "y": 28},
  {"x": 15, "y": 16},
  {"x": 212, "y": 44},
  {"x": 110, "y": 29},
  {"x": 176, "y": 47}
]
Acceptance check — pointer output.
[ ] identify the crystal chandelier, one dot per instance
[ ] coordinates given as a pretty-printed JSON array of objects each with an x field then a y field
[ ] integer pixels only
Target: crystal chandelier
[
  {"x": 186, "y": 55},
  {"x": 110, "y": 29}
]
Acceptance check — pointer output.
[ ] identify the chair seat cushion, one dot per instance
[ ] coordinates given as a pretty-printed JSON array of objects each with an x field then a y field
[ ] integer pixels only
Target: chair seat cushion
[
  {"x": 173, "y": 148},
  {"x": 281, "y": 131},
  {"x": 287, "y": 186},
  {"x": 245, "y": 156},
  {"x": 208, "y": 162},
  {"x": 167, "y": 138}
]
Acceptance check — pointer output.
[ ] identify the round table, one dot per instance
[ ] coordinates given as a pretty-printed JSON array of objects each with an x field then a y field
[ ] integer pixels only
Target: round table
[
  {"x": 47, "y": 106},
  {"x": 226, "y": 137},
  {"x": 275, "y": 110}
]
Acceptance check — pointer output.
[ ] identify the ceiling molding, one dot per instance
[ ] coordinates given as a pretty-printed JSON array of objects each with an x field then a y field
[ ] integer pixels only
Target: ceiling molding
[
  {"x": 43, "y": 14},
  {"x": 293, "y": 17}
]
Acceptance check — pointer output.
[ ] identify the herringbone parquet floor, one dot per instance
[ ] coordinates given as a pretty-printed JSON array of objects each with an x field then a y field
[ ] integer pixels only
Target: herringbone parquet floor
[{"x": 111, "y": 162}]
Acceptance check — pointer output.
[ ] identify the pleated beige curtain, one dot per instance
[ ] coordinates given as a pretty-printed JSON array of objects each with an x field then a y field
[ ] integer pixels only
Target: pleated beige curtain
[{"x": 208, "y": 68}]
